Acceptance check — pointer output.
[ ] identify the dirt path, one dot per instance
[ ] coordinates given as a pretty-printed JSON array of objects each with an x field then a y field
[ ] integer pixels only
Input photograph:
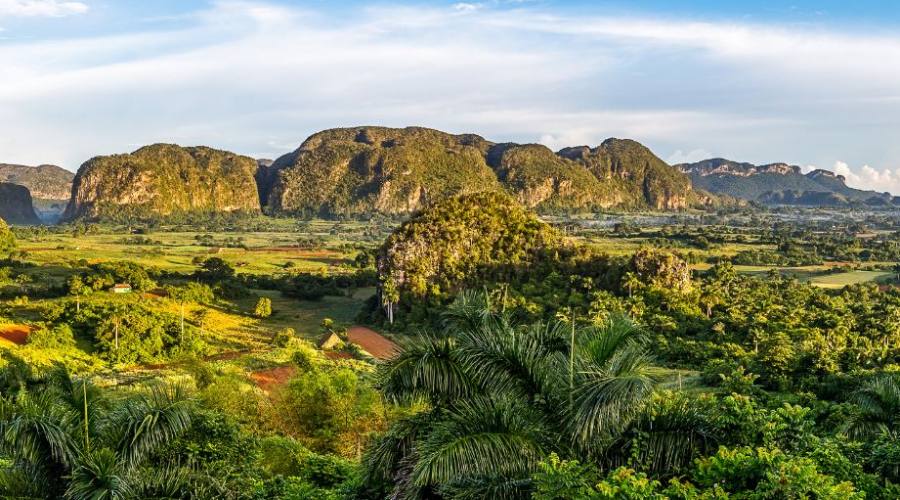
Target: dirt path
[
  {"x": 16, "y": 334},
  {"x": 271, "y": 378},
  {"x": 372, "y": 342}
]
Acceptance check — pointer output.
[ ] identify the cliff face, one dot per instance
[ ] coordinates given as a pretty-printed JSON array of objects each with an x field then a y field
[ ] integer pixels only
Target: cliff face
[
  {"x": 641, "y": 175},
  {"x": 45, "y": 182},
  {"x": 721, "y": 166},
  {"x": 16, "y": 205},
  {"x": 541, "y": 179},
  {"x": 376, "y": 169},
  {"x": 164, "y": 180},
  {"x": 362, "y": 170}
]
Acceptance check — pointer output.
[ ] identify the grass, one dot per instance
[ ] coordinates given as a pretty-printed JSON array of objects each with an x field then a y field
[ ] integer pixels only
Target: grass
[
  {"x": 841, "y": 280},
  {"x": 266, "y": 252}
]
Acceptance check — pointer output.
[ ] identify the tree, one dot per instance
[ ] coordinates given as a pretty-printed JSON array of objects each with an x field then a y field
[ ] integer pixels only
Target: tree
[
  {"x": 66, "y": 439},
  {"x": 263, "y": 308},
  {"x": 500, "y": 399},
  {"x": 7, "y": 239},
  {"x": 78, "y": 289},
  {"x": 215, "y": 269},
  {"x": 631, "y": 283},
  {"x": 190, "y": 292},
  {"x": 878, "y": 402}
]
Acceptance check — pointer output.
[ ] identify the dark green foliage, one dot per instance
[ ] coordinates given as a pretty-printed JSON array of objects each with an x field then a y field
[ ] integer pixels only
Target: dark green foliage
[
  {"x": 459, "y": 241},
  {"x": 7, "y": 239},
  {"x": 501, "y": 397},
  {"x": 126, "y": 334}
]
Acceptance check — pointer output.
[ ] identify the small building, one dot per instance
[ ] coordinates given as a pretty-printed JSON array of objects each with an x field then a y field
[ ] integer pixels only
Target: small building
[
  {"x": 329, "y": 341},
  {"x": 120, "y": 288}
]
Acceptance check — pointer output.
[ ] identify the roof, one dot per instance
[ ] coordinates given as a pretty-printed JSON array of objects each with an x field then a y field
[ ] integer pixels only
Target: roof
[
  {"x": 329, "y": 340},
  {"x": 121, "y": 285}
]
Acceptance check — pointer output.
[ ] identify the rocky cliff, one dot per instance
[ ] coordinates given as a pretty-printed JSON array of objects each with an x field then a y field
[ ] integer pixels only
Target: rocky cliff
[
  {"x": 45, "y": 182},
  {"x": 164, "y": 180},
  {"x": 16, "y": 205}
]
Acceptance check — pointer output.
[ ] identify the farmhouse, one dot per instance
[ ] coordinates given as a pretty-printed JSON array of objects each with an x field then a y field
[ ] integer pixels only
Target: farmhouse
[{"x": 121, "y": 288}]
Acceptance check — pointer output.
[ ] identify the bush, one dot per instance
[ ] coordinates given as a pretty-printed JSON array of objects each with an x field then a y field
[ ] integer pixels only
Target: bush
[
  {"x": 56, "y": 337},
  {"x": 263, "y": 308}
]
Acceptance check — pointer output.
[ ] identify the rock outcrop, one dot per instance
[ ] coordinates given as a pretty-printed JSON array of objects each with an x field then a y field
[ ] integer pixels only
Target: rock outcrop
[
  {"x": 164, "y": 181},
  {"x": 16, "y": 206}
]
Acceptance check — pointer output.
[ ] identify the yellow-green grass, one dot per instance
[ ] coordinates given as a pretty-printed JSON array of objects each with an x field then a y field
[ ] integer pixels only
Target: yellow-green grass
[
  {"x": 841, "y": 280},
  {"x": 266, "y": 252}
]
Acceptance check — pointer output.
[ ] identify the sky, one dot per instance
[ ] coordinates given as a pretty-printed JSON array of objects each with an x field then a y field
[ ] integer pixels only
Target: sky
[{"x": 815, "y": 84}]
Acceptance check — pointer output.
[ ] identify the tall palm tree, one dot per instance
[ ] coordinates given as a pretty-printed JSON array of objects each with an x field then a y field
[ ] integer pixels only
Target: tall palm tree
[
  {"x": 66, "y": 439},
  {"x": 501, "y": 396}
]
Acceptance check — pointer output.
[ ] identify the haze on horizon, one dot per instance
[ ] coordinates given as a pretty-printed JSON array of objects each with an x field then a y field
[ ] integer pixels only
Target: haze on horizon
[{"x": 811, "y": 84}]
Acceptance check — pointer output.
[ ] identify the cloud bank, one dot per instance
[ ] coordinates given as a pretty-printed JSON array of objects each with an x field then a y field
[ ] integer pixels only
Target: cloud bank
[{"x": 258, "y": 78}]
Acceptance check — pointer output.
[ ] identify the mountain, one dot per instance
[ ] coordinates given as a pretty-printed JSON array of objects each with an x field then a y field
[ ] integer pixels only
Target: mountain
[
  {"x": 16, "y": 205},
  {"x": 454, "y": 240},
  {"x": 46, "y": 182},
  {"x": 164, "y": 180},
  {"x": 356, "y": 171},
  {"x": 361, "y": 170},
  {"x": 778, "y": 184}
]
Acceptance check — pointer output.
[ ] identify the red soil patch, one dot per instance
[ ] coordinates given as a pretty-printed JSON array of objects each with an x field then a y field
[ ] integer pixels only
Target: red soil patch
[
  {"x": 372, "y": 342},
  {"x": 336, "y": 355},
  {"x": 15, "y": 334},
  {"x": 273, "y": 377}
]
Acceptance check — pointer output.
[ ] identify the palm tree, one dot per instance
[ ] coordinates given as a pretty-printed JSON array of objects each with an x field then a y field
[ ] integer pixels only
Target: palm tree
[
  {"x": 878, "y": 402},
  {"x": 65, "y": 439},
  {"x": 500, "y": 399}
]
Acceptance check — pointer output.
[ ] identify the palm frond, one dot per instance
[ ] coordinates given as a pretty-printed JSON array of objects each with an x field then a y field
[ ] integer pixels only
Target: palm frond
[
  {"x": 510, "y": 362},
  {"x": 481, "y": 438},
  {"x": 144, "y": 423},
  {"x": 606, "y": 396},
  {"x": 427, "y": 368},
  {"x": 665, "y": 436},
  {"x": 99, "y": 475}
]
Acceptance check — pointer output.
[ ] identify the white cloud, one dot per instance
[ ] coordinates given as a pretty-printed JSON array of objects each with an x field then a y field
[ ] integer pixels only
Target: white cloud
[
  {"x": 41, "y": 8},
  {"x": 691, "y": 156},
  {"x": 866, "y": 177},
  {"x": 467, "y": 7},
  {"x": 257, "y": 78}
]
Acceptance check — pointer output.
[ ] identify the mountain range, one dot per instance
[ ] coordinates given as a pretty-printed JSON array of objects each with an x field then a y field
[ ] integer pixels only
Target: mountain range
[
  {"x": 359, "y": 171},
  {"x": 355, "y": 172},
  {"x": 779, "y": 184}
]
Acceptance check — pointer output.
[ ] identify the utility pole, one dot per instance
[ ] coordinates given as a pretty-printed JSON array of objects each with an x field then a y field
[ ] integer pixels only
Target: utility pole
[{"x": 572, "y": 361}]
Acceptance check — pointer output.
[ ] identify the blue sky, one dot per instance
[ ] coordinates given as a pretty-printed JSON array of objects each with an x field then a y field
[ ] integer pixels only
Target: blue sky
[{"x": 811, "y": 83}]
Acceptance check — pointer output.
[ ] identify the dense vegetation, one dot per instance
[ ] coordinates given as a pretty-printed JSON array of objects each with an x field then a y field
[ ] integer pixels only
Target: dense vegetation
[{"x": 572, "y": 358}]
